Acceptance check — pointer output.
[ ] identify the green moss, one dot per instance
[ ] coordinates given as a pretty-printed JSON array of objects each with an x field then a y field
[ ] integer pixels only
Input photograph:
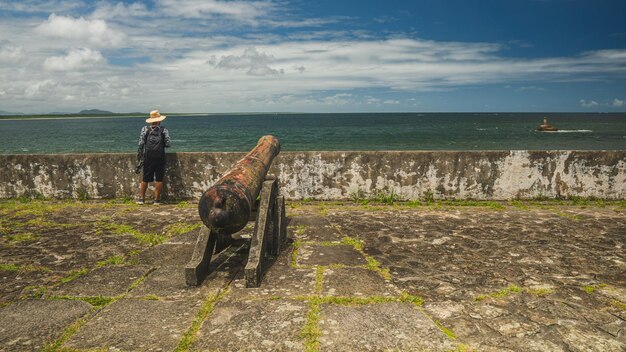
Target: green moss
[
  {"x": 180, "y": 228},
  {"x": 593, "y": 288},
  {"x": 539, "y": 291},
  {"x": 445, "y": 330},
  {"x": 9, "y": 267},
  {"x": 416, "y": 300},
  {"x": 619, "y": 304},
  {"x": 23, "y": 268},
  {"x": 589, "y": 289},
  {"x": 67, "y": 333},
  {"x": 35, "y": 291},
  {"x": 374, "y": 265},
  {"x": 350, "y": 241},
  {"x": 73, "y": 275},
  {"x": 500, "y": 293},
  {"x": 300, "y": 229},
  {"x": 151, "y": 239},
  {"x": 519, "y": 204},
  {"x": 98, "y": 301},
  {"x": 184, "y": 205},
  {"x": 113, "y": 260},
  {"x": 190, "y": 336},
  {"x": 140, "y": 280},
  {"x": 311, "y": 331},
  {"x": 319, "y": 279},
  {"x": 294, "y": 253},
  {"x": 151, "y": 297}
]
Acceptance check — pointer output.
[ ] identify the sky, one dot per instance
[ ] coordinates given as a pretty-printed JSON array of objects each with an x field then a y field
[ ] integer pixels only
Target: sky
[{"x": 313, "y": 56}]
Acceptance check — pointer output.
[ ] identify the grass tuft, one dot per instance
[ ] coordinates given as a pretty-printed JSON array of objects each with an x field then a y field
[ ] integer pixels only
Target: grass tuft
[
  {"x": 180, "y": 228},
  {"x": 74, "y": 275},
  {"x": 113, "y": 260},
  {"x": 354, "y": 242},
  {"x": 311, "y": 332},
  {"x": 319, "y": 279},
  {"x": 445, "y": 330},
  {"x": 294, "y": 253},
  {"x": 190, "y": 336},
  {"x": 407, "y": 297}
]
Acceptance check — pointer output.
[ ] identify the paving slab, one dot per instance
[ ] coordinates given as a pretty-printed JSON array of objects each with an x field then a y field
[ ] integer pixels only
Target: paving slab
[
  {"x": 167, "y": 254},
  {"x": 110, "y": 281},
  {"x": 279, "y": 281},
  {"x": 255, "y": 325},
  {"x": 313, "y": 254},
  {"x": 136, "y": 325},
  {"x": 168, "y": 282},
  {"x": 379, "y": 327},
  {"x": 356, "y": 282},
  {"x": 29, "y": 325},
  {"x": 312, "y": 228}
]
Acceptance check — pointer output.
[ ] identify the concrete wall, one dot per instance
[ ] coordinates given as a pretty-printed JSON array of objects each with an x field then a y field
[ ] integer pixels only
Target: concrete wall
[{"x": 336, "y": 175}]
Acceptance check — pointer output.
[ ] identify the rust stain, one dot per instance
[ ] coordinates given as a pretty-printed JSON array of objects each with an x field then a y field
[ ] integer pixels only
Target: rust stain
[{"x": 225, "y": 207}]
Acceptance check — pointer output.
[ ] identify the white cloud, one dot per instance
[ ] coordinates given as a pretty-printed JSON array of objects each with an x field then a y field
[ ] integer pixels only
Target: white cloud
[
  {"x": 588, "y": 104},
  {"x": 40, "y": 88},
  {"x": 10, "y": 52},
  {"x": 76, "y": 59},
  {"x": 38, "y": 6},
  {"x": 617, "y": 103},
  {"x": 107, "y": 10},
  {"x": 95, "y": 31},
  {"x": 240, "y": 10},
  {"x": 254, "y": 62}
]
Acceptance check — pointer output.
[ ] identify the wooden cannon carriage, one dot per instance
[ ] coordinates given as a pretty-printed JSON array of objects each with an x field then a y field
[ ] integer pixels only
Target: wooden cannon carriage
[{"x": 226, "y": 207}]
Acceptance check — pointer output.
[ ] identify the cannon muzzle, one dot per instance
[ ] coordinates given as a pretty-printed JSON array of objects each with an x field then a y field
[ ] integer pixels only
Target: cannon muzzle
[{"x": 225, "y": 207}]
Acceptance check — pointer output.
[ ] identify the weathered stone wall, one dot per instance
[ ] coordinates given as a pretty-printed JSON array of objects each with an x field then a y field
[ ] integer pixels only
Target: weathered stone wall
[{"x": 336, "y": 175}]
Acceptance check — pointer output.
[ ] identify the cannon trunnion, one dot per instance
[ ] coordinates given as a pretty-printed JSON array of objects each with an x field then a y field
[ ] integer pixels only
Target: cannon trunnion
[{"x": 225, "y": 209}]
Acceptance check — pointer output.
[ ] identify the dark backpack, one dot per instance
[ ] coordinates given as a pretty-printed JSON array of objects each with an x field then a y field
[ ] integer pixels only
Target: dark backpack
[{"x": 155, "y": 144}]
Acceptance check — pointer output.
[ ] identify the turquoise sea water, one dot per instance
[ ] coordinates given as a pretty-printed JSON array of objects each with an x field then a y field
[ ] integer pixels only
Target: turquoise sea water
[{"x": 366, "y": 131}]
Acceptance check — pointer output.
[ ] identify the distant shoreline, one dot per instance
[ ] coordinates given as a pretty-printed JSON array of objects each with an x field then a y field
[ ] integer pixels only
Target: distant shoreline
[
  {"x": 79, "y": 116},
  {"x": 129, "y": 115}
]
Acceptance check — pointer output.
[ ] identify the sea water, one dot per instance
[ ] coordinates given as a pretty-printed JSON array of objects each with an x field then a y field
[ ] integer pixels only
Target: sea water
[{"x": 319, "y": 132}]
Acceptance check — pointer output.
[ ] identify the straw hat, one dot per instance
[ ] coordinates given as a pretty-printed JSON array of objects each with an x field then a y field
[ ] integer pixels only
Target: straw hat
[{"x": 155, "y": 116}]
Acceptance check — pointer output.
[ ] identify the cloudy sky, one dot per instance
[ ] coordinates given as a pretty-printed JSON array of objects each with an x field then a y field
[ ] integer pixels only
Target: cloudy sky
[{"x": 313, "y": 56}]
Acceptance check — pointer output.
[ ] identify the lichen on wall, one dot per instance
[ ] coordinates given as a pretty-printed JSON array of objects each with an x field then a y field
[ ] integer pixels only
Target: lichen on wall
[{"x": 336, "y": 175}]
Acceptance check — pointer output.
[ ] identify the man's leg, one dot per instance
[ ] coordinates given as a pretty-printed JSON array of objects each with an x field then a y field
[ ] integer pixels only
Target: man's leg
[
  {"x": 158, "y": 187},
  {"x": 142, "y": 189},
  {"x": 143, "y": 186}
]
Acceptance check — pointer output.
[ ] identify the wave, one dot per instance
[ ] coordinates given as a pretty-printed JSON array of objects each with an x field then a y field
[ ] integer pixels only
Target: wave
[{"x": 574, "y": 131}]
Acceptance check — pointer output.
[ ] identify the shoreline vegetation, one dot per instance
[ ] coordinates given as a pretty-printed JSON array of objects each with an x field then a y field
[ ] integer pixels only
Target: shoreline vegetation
[
  {"x": 134, "y": 114},
  {"x": 86, "y": 116},
  {"x": 105, "y": 114}
]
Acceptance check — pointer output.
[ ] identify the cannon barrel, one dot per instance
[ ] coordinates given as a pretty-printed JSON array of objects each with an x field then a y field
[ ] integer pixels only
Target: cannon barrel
[{"x": 225, "y": 207}]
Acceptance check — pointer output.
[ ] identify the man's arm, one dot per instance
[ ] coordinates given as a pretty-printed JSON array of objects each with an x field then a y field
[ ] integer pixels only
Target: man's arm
[
  {"x": 142, "y": 136},
  {"x": 166, "y": 134}
]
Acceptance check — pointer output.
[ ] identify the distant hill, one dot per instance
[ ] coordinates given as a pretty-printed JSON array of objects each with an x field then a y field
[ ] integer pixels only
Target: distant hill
[
  {"x": 2, "y": 112},
  {"x": 95, "y": 112}
]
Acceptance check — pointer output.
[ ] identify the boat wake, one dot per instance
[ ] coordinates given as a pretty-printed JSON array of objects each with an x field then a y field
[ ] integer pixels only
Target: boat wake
[{"x": 573, "y": 131}]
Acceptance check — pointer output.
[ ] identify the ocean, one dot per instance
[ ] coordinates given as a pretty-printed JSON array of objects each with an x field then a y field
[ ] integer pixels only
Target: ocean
[{"x": 323, "y": 132}]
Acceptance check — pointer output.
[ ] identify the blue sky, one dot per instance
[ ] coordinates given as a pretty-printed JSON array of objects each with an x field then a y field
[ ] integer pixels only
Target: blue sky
[{"x": 313, "y": 56}]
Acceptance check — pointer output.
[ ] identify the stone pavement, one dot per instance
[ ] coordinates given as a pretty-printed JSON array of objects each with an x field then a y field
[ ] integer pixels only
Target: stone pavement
[{"x": 498, "y": 277}]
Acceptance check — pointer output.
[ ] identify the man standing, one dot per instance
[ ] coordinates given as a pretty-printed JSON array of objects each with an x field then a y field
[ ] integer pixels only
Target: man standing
[{"x": 152, "y": 143}]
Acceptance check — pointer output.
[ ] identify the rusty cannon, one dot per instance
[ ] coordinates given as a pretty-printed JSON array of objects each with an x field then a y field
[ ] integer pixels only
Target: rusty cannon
[{"x": 226, "y": 207}]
